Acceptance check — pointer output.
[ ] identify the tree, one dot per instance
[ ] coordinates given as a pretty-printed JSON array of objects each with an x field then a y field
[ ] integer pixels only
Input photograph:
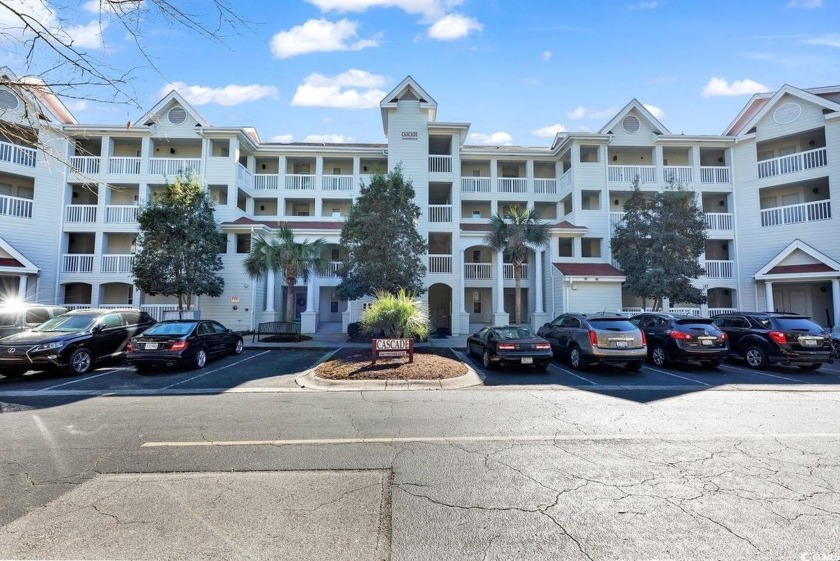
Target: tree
[
  {"x": 179, "y": 244},
  {"x": 380, "y": 240},
  {"x": 513, "y": 235},
  {"x": 658, "y": 245},
  {"x": 293, "y": 259},
  {"x": 396, "y": 315}
]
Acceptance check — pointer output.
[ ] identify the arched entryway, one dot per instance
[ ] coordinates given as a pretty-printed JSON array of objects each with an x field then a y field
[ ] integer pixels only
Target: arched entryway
[
  {"x": 116, "y": 293},
  {"x": 440, "y": 308},
  {"x": 76, "y": 293}
]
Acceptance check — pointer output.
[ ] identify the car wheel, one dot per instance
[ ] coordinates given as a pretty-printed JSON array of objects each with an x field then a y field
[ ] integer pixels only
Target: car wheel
[
  {"x": 199, "y": 359},
  {"x": 711, "y": 363},
  {"x": 658, "y": 356},
  {"x": 469, "y": 350},
  {"x": 756, "y": 357},
  {"x": 576, "y": 359},
  {"x": 541, "y": 366},
  {"x": 485, "y": 360},
  {"x": 80, "y": 361},
  {"x": 239, "y": 347},
  {"x": 815, "y": 366},
  {"x": 634, "y": 366}
]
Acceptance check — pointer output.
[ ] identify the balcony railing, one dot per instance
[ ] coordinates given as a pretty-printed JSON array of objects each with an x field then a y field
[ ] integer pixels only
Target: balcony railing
[
  {"x": 615, "y": 219},
  {"x": 174, "y": 166},
  {"x": 299, "y": 182},
  {"x": 565, "y": 181},
  {"x": 77, "y": 263},
  {"x": 796, "y": 214},
  {"x": 678, "y": 174},
  {"x": 476, "y": 185},
  {"x": 333, "y": 267},
  {"x": 512, "y": 185},
  {"x": 546, "y": 186},
  {"x": 121, "y": 214},
  {"x": 715, "y": 311},
  {"x": 440, "y": 263},
  {"x": 243, "y": 175},
  {"x": 715, "y": 174},
  {"x": 81, "y": 213},
  {"x": 440, "y": 213},
  {"x": 15, "y": 206},
  {"x": 508, "y": 271},
  {"x": 478, "y": 271},
  {"x": 157, "y": 311},
  {"x": 628, "y": 174},
  {"x": 124, "y": 166},
  {"x": 337, "y": 182},
  {"x": 265, "y": 181},
  {"x": 720, "y": 269},
  {"x": 718, "y": 220},
  {"x": 117, "y": 263},
  {"x": 792, "y": 163},
  {"x": 21, "y": 155},
  {"x": 440, "y": 164},
  {"x": 88, "y": 165}
]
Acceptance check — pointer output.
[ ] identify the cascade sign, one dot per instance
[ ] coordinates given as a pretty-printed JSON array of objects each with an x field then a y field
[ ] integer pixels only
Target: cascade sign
[{"x": 390, "y": 348}]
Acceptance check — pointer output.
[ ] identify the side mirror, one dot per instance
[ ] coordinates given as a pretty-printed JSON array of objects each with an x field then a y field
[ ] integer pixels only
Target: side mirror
[{"x": 96, "y": 329}]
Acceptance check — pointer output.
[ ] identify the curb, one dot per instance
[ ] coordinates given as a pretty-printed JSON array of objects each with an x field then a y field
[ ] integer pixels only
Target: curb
[{"x": 309, "y": 380}]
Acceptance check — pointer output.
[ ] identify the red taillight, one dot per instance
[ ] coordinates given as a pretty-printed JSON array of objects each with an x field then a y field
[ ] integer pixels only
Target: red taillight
[
  {"x": 723, "y": 336},
  {"x": 644, "y": 339},
  {"x": 679, "y": 335},
  {"x": 543, "y": 346},
  {"x": 179, "y": 346},
  {"x": 505, "y": 346},
  {"x": 129, "y": 347},
  {"x": 778, "y": 337},
  {"x": 593, "y": 338}
]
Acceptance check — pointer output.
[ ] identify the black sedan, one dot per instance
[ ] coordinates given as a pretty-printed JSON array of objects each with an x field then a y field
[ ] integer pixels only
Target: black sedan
[
  {"x": 682, "y": 338},
  {"x": 509, "y": 345},
  {"x": 183, "y": 343}
]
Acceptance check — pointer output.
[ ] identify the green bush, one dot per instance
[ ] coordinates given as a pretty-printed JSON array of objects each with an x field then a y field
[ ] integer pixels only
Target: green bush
[{"x": 396, "y": 315}]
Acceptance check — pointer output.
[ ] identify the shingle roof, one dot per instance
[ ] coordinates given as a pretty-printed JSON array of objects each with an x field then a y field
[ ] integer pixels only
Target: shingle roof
[{"x": 588, "y": 270}]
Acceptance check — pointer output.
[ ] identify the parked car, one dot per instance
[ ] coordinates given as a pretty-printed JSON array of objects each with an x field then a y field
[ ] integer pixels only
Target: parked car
[
  {"x": 73, "y": 342},
  {"x": 762, "y": 338},
  {"x": 596, "y": 339},
  {"x": 682, "y": 338},
  {"x": 509, "y": 345},
  {"x": 182, "y": 342},
  {"x": 15, "y": 318},
  {"x": 835, "y": 342}
]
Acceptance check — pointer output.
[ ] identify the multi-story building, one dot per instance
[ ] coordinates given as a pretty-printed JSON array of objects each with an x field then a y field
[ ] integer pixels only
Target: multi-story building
[{"x": 767, "y": 186}]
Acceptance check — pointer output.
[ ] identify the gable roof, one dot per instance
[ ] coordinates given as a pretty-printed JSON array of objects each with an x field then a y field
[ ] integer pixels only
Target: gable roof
[
  {"x": 408, "y": 87},
  {"x": 50, "y": 107},
  {"x": 761, "y": 104},
  {"x": 16, "y": 262},
  {"x": 166, "y": 100},
  {"x": 652, "y": 121},
  {"x": 824, "y": 266},
  {"x": 590, "y": 270}
]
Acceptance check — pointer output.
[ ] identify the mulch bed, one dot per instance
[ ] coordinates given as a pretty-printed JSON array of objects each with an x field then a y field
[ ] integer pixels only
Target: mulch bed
[{"x": 429, "y": 364}]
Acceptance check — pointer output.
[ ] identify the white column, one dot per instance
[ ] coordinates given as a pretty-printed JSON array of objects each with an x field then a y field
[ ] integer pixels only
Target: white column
[
  {"x": 269, "y": 292},
  {"x": 835, "y": 299},
  {"x": 768, "y": 296},
  {"x": 537, "y": 277},
  {"x": 309, "y": 318},
  {"x": 499, "y": 316},
  {"x": 310, "y": 292},
  {"x": 22, "y": 289},
  {"x": 462, "y": 284}
]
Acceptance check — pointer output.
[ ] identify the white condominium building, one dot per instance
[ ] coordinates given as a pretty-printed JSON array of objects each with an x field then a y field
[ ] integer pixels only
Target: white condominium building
[{"x": 769, "y": 187}]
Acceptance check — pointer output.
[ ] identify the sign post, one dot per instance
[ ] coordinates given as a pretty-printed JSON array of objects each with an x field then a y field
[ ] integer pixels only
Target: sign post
[{"x": 390, "y": 348}]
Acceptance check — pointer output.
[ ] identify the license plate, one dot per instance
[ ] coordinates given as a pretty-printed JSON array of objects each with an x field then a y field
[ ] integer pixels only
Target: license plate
[
  {"x": 810, "y": 342},
  {"x": 150, "y": 346},
  {"x": 706, "y": 342},
  {"x": 527, "y": 360},
  {"x": 621, "y": 344}
]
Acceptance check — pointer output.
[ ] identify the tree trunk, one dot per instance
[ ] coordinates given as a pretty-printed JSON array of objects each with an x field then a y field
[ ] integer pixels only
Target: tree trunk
[
  {"x": 290, "y": 299},
  {"x": 517, "y": 278}
]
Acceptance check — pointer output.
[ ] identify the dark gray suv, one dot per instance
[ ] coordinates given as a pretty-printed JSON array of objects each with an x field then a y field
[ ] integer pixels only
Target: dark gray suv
[{"x": 596, "y": 339}]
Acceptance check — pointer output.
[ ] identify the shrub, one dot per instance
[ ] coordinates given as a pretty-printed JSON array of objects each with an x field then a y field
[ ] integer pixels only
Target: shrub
[{"x": 396, "y": 315}]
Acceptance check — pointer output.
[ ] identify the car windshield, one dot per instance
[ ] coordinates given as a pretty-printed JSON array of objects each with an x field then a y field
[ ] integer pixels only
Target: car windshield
[
  {"x": 177, "y": 329},
  {"x": 514, "y": 333},
  {"x": 611, "y": 324},
  {"x": 699, "y": 321},
  {"x": 67, "y": 323}
]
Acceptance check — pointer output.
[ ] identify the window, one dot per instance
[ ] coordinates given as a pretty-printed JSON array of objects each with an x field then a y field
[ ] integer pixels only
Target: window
[
  {"x": 590, "y": 200},
  {"x": 565, "y": 247},
  {"x": 590, "y": 247},
  {"x": 335, "y": 254},
  {"x": 204, "y": 328},
  {"x": 218, "y": 327},
  {"x": 225, "y": 243},
  {"x": 36, "y": 316},
  {"x": 333, "y": 307},
  {"x": 476, "y": 256},
  {"x": 111, "y": 321},
  {"x": 589, "y": 154},
  {"x": 476, "y": 302},
  {"x": 336, "y": 171},
  {"x": 243, "y": 243},
  {"x": 476, "y": 214}
]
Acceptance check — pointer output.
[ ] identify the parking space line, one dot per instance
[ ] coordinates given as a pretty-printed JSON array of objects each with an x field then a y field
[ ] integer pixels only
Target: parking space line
[
  {"x": 678, "y": 376},
  {"x": 573, "y": 374},
  {"x": 76, "y": 381},
  {"x": 213, "y": 371},
  {"x": 762, "y": 373}
]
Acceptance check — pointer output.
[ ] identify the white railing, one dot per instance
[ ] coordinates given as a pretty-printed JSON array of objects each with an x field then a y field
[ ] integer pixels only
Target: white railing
[
  {"x": 15, "y": 206},
  {"x": 85, "y": 164},
  {"x": 337, "y": 182},
  {"x": 121, "y": 214},
  {"x": 795, "y": 214},
  {"x": 475, "y": 185},
  {"x": 565, "y": 181},
  {"x": 792, "y": 163},
  {"x": 117, "y": 263},
  {"x": 124, "y": 166},
  {"x": 715, "y": 311},
  {"x": 440, "y": 263},
  {"x": 174, "y": 166},
  {"x": 478, "y": 271},
  {"x": 333, "y": 267},
  {"x": 15, "y": 154},
  {"x": 628, "y": 174},
  {"x": 508, "y": 271},
  {"x": 714, "y": 174},
  {"x": 720, "y": 269},
  {"x": 71, "y": 307},
  {"x": 440, "y": 213},
  {"x": 511, "y": 185},
  {"x": 243, "y": 175},
  {"x": 686, "y": 311},
  {"x": 440, "y": 164},
  {"x": 615, "y": 219},
  {"x": 678, "y": 174},
  {"x": 630, "y": 312},
  {"x": 81, "y": 213},
  {"x": 300, "y": 182},
  {"x": 77, "y": 263},
  {"x": 264, "y": 181},
  {"x": 548, "y": 186},
  {"x": 718, "y": 220},
  {"x": 157, "y": 310}
]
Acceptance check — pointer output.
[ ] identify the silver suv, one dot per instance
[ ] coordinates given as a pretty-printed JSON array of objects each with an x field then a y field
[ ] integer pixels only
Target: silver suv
[
  {"x": 20, "y": 317},
  {"x": 596, "y": 339}
]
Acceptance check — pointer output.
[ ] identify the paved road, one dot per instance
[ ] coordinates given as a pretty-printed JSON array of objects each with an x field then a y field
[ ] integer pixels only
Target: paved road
[{"x": 662, "y": 464}]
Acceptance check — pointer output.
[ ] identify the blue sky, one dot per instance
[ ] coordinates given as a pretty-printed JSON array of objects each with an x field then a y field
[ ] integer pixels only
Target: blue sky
[{"x": 518, "y": 71}]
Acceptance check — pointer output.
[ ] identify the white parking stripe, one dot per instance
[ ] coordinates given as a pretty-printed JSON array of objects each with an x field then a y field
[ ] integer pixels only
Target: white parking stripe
[
  {"x": 563, "y": 370},
  {"x": 762, "y": 373},
  {"x": 77, "y": 380},
  {"x": 678, "y": 376},
  {"x": 213, "y": 371}
]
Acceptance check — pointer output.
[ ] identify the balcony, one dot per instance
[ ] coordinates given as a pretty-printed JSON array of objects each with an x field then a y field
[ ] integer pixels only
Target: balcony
[
  {"x": 511, "y": 185},
  {"x": 85, "y": 165},
  {"x": 174, "y": 166},
  {"x": 565, "y": 181},
  {"x": 720, "y": 269},
  {"x": 718, "y": 220},
  {"x": 333, "y": 267},
  {"x": 121, "y": 214},
  {"x": 793, "y": 163},
  {"x": 117, "y": 263},
  {"x": 508, "y": 271},
  {"x": 628, "y": 174},
  {"x": 266, "y": 181},
  {"x": 478, "y": 271},
  {"x": 441, "y": 264},
  {"x": 300, "y": 182},
  {"x": 80, "y": 214},
  {"x": 440, "y": 164},
  {"x": 243, "y": 175},
  {"x": 15, "y": 154},
  {"x": 476, "y": 185},
  {"x": 337, "y": 183},
  {"x": 77, "y": 263},
  {"x": 440, "y": 213},
  {"x": 715, "y": 174},
  {"x": 678, "y": 174},
  {"x": 796, "y": 214},
  {"x": 124, "y": 166},
  {"x": 545, "y": 186},
  {"x": 15, "y": 206},
  {"x": 615, "y": 220}
]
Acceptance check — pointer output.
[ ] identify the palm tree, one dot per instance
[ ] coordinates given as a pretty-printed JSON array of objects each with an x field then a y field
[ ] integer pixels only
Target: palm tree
[
  {"x": 293, "y": 259},
  {"x": 513, "y": 235},
  {"x": 397, "y": 315}
]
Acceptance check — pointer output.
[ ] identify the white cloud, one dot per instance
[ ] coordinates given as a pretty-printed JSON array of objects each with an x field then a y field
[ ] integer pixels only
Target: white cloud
[
  {"x": 453, "y": 26},
  {"x": 232, "y": 94},
  {"x": 328, "y": 138},
  {"x": 284, "y": 138},
  {"x": 546, "y": 55},
  {"x": 655, "y": 111},
  {"x": 319, "y": 35},
  {"x": 86, "y": 36},
  {"x": 719, "y": 87},
  {"x": 76, "y": 104},
  {"x": 651, "y": 5},
  {"x": 581, "y": 112},
  {"x": 805, "y": 4},
  {"x": 432, "y": 9},
  {"x": 353, "y": 89},
  {"x": 495, "y": 139},
  {"x": 832, "y": 40},
  {"x": 39, "y": 11},
  {"x": 549, "y": 131}
]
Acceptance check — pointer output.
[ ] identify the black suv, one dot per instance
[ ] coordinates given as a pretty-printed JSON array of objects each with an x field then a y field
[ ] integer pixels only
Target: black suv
[
  {"x": 74, "y": 341},
  {"x": 675, "y": 337},
  {"x": 762, "y": 338}
]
